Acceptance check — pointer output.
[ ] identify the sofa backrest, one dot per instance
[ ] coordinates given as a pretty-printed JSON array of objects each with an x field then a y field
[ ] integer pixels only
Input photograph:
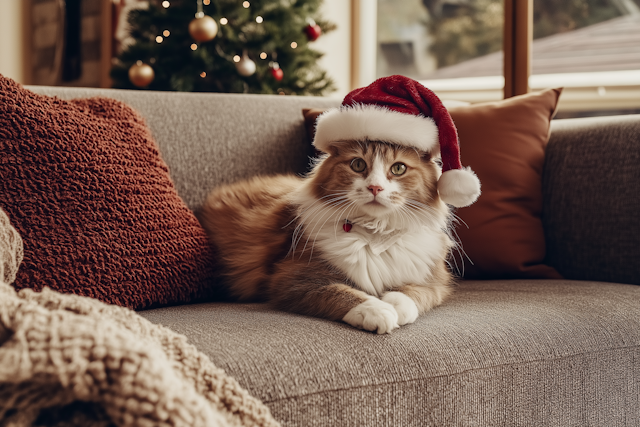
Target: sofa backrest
[
  {"x": 591, "y": 207},
  {"x": 208, "y": 139}
]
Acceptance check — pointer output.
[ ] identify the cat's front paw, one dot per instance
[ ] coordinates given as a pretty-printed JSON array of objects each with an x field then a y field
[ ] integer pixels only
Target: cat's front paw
[
  {"x": 373, "y": 315},
  {"x": 405, "y": 307}
]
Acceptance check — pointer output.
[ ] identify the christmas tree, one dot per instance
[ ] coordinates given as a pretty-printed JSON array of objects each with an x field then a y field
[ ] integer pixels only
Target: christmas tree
[{"x": 250, "y": 46}]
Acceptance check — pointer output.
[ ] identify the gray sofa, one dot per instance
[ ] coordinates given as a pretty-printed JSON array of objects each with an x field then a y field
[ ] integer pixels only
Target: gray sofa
[{"x": 498, "y": 353}]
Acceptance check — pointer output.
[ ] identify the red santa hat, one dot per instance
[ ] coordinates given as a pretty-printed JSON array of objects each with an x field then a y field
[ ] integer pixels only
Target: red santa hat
[{"x": 400, "y": 110}]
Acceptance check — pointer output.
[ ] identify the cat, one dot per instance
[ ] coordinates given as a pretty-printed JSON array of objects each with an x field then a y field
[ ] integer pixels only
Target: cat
[{"x": 363, "y": 238}]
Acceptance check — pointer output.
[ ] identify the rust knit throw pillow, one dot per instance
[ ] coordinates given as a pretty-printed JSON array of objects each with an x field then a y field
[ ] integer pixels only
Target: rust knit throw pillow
[
  {"x": 83, "y": 183},
  {"x": 504, "y": 143}
]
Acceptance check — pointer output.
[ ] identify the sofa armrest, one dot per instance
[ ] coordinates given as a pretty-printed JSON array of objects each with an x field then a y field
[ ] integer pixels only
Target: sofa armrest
[{"x": 591, "y": 206}]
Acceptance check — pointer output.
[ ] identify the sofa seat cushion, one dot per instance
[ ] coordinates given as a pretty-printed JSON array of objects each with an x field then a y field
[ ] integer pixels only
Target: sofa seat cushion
[{"x": 512, "y": 352}]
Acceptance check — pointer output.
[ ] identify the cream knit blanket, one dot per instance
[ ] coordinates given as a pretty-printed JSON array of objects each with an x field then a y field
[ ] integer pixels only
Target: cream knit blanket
[{"x": 67, "y": 360}]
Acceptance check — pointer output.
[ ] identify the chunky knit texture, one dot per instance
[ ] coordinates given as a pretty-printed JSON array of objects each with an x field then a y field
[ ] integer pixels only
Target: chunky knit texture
[
  {"x": 84, "y": 184},
  {"x": 70, "y": 360}
]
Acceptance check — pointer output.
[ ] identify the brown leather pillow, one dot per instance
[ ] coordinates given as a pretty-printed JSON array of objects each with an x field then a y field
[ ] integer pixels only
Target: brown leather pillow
[
  {"x": 504, "y": 143},
  {"x": 85, "y": 186}
]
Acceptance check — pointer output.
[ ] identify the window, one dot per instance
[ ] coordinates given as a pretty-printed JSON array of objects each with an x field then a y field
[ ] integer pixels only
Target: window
[{"x": 455, "y": 47}]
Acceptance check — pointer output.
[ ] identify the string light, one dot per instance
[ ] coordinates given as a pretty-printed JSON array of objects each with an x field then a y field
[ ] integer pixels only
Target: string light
[
  {"x": 236, "y": 58},
  {"x": 206, "y": 2},
  {"x": 166, "y": 33},
  {"x": 203, "y": 74},
  {"x": 246, "y": 4},
  {"x": 159, "y": 39},
  {"x": 263, "y": 55},
  {"x": 166, "y": 4},
  {"x": 294, "y": 45},
  {"x": 223, "y": 21},
  {"x": 259, "y": 19},
  {"x": 194, "y": 46}
]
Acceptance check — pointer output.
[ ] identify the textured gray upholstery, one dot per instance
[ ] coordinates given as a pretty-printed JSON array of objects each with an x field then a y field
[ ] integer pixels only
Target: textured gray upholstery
[
  {"x": 498, "y": 353},
  {"x": 208, "y": 139},
  {"x": 591, "y": 211}
]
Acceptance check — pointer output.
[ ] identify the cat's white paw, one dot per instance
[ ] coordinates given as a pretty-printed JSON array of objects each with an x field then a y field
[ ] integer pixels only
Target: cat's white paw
[
  {"x": 373, "y": 315},
  {"x": 405, "y": 307}
]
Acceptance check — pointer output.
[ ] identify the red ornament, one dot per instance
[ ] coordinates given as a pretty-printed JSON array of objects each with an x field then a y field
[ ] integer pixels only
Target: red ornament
[
  {"x": 347, "y": 226},
  {"x": 313, "y": 31},
  {"x": 276, "y": 71}
]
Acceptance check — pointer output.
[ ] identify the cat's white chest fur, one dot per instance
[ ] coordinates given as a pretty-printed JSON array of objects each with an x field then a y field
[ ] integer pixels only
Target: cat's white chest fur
[
  {"x": 381, "y": 251},
  {"x": 379, "y": 261}
]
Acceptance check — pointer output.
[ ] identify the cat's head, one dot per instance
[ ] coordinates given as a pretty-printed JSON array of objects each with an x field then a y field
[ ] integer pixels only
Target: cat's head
[{"x": 380, "y": 181}]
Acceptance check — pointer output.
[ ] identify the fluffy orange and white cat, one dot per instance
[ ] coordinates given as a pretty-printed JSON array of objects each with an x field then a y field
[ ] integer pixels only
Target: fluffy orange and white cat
[{"x": 363, "y": 238}]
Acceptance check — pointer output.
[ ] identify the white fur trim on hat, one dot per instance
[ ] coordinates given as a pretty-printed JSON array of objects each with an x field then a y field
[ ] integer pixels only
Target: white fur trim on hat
[
  {"x": 459, "y": 187},
  {"x": 363, "y": 121}
]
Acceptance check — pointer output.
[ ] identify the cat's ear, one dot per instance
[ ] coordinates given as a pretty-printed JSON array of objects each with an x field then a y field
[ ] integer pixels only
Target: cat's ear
[
  {"x": 428, "y": 157},
  {"x": 425, "y": 156},
  {"x": 333, "y": 149}
]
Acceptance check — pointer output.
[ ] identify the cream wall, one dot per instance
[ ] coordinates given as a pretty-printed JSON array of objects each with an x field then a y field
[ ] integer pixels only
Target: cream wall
[
  {"x": 336, "y": 45},
  {"x": 11, "y": 40}
]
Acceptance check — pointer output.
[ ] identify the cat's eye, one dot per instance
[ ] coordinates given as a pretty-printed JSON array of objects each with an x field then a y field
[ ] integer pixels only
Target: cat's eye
[
  {"x": 358, "y": 165},
  {"x": 398, "y": 169}
]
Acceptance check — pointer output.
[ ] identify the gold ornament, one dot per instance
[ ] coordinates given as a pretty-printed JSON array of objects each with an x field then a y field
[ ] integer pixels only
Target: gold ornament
[
  {"x": 203, "y": 28},
  {"x": 141, "y": 74}
]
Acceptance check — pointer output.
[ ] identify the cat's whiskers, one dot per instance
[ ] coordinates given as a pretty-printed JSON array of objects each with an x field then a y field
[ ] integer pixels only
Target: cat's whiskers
[
  {"x": 304, "y": 225},
  {"x": 425, "y": 211},
  {"x": 299, "y": 230},
  {"x": 398, "y": 201},
  {"x": 416, "y": 209},
  {"x": 337, "y": 204},
  {"x": 313, "y": 208},
  {"x": 449, "y": 229},
  {"x": 308, "y": 214},
  {"x": 309, "y": 221},
  {"x": 313, "y": 244},
  {"x": 455, "y": 218},
  {"x": 457, "y": 246},
  {"x": 420, "y": 205},
  {"x": 411, "y": 216},
  {"x": 404, "y": 213},
  {"x": 311, "y": 205}
]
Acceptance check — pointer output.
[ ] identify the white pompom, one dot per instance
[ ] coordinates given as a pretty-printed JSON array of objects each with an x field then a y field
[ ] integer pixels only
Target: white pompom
[{"x": 459, "y": 187}]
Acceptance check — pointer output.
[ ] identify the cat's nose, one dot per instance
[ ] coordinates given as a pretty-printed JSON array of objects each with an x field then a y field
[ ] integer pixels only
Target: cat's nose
[{"x": 375, "y": 189}]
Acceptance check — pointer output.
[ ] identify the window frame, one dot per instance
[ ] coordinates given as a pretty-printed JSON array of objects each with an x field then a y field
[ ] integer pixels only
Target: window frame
[
  {"x": 517, "y": 38},
  {"x": 607, "y": 90}
]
